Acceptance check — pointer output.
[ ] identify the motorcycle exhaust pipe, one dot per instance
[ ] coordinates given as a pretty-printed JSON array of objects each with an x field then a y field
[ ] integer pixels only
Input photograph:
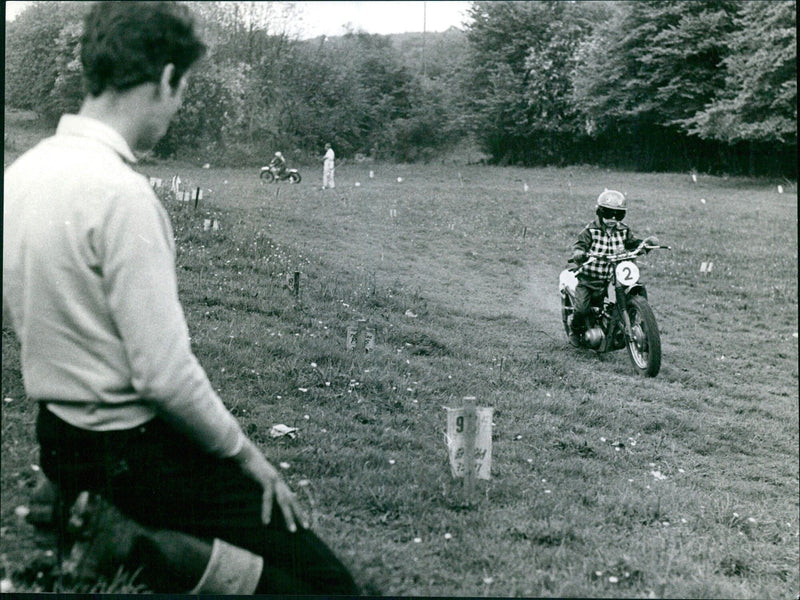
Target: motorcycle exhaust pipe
[{"x": 594, "y": 337}]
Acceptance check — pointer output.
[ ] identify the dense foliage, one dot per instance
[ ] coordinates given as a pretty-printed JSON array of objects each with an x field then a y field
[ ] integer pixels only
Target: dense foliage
[{"x": 650, "y": 85}]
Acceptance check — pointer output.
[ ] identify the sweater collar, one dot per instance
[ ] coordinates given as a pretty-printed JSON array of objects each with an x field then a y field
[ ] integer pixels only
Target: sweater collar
[{"x": 87, "y": 127}]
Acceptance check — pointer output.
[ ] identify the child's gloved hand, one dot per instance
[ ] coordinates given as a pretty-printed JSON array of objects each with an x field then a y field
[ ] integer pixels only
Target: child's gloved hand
[
  {"x": 578, "y": 256},
  {"x": 651, "y": 240}
]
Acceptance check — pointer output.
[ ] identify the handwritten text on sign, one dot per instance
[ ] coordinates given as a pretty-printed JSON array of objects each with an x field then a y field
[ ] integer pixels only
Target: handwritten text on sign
[{"x": 456, "y": 428}]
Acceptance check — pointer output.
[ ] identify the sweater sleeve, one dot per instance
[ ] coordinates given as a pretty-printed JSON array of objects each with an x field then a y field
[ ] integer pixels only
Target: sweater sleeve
[
  {"x": 138, "y": 270},
  {"x": 631, "y": 241},
  {"x": 584, "y": 241}
]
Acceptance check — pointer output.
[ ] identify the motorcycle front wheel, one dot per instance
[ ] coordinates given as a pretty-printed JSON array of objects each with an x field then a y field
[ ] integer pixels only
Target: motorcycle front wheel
[
  {"x": 267, "y": 176},
  {"x": 644, "y": 348},
  {"x": 294, "y": 177},
  {"x": 567, "y": 310}
]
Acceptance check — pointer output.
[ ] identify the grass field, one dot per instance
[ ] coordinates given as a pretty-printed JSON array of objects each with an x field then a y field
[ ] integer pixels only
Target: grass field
[{"x": 604, "y": 484}]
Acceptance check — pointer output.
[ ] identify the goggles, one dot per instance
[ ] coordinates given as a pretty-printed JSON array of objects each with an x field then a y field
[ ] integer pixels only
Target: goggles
[{"x": 612, "y": 213}]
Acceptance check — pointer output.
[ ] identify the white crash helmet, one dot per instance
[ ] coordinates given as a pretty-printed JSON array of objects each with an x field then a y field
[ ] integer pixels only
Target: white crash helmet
[{"x": 612, "y": 199}]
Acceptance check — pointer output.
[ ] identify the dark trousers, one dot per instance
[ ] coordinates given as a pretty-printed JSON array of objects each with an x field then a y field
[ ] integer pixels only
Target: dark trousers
[
  {"x": 161, "y": 479},
  {"x": 586, "y": 292}
]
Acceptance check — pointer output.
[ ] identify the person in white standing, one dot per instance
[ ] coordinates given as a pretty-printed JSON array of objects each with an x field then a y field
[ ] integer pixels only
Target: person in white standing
[{"x": 328, "y": 168}]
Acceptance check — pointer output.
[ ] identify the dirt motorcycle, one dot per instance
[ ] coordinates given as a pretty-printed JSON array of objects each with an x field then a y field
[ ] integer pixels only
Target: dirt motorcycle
[
  {"x": 270, "y": 174},
  {"x": 622, "y": 318}
]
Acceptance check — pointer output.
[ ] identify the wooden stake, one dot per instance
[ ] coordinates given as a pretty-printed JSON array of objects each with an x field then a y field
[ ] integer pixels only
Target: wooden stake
[{"x": 470, "y": 431}]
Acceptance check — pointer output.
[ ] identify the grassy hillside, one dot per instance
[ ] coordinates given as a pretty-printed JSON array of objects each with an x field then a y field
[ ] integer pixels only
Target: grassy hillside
[{"x": 603, "y": 483}]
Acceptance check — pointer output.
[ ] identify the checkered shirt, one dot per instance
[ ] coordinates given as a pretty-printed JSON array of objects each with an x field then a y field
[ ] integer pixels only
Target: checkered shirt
[{"x": 597, "y": 239}]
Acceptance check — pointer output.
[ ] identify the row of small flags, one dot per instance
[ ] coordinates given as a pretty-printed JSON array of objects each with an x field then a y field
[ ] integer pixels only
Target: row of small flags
[
  {"x": 175, "y": 185},
  {"x": 694, "y": 180},
  {"x": 182, "y": 195}
]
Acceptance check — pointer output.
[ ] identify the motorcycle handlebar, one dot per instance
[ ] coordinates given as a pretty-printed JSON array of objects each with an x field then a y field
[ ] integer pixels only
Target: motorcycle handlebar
[
  {"x": 627, "y": 255},
  {"x": 592, "y": 257}
]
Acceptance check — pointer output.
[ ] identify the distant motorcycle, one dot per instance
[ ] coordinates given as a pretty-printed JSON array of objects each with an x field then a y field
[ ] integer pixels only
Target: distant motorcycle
[
  {"x": 623, "y": 319},
  {"x": 270, "y": 175}
]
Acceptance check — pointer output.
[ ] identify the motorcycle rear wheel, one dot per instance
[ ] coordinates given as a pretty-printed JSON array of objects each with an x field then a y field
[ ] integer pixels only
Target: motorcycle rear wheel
[
  {"x": 294, "y": 178},
  {"x": 267, "y": 176},
  {"x": 645, "y": 347}
]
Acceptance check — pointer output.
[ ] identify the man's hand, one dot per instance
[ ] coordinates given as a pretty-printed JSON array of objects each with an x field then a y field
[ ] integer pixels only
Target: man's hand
[{"x": 257, "y": 467}]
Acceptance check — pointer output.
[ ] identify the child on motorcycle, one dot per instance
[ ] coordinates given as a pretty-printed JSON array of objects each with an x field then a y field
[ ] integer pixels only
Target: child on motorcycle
[
  {"x": 607, "y": 234},
  {"x": 278, "y": 163}
]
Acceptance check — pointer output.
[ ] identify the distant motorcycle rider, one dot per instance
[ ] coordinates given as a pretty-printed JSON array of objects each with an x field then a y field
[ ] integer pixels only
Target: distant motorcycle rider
[
  {"x": 278, "y": 163},
  {"x": 606, "y": 235}
]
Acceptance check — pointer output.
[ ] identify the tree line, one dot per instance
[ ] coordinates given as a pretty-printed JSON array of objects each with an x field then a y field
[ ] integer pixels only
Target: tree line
[{"x": 648, "y": 85}]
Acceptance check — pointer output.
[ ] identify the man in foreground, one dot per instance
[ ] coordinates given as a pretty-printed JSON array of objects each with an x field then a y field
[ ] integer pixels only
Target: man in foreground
[{"x": 176, "y": 490}]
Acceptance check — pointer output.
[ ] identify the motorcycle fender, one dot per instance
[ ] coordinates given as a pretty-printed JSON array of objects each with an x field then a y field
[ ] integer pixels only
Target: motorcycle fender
[{"x": 637, "y": 290}]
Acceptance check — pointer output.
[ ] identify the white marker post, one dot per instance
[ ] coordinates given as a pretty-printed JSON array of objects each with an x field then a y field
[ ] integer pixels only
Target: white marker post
[
  {"x": 469, "y": 443},
  {"x": 359, "y": 337}
]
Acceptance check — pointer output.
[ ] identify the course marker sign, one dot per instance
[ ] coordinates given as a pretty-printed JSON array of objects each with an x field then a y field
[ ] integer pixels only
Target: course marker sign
[
  {"x": 469, "y": 441},
  {"x": 359, "y": 337}
]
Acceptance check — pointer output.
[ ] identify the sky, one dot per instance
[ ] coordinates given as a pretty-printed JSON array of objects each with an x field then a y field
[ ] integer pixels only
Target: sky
[{"x": 330, "y": 17}]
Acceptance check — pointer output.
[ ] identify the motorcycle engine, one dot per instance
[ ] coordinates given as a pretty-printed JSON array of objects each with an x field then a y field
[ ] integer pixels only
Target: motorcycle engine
[{"x": 594, "y": 337}]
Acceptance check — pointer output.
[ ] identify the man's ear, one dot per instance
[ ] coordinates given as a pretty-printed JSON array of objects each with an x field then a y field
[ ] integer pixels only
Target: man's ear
[{"x": 164, "y": 85}]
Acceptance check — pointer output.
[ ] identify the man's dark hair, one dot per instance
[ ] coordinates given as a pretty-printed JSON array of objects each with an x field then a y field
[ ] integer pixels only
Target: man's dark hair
[{"x": 125, "y": 44}]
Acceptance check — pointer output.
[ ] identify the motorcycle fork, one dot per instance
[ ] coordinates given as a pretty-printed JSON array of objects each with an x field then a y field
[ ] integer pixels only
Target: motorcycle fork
[{"x": 624, "y": 317}]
